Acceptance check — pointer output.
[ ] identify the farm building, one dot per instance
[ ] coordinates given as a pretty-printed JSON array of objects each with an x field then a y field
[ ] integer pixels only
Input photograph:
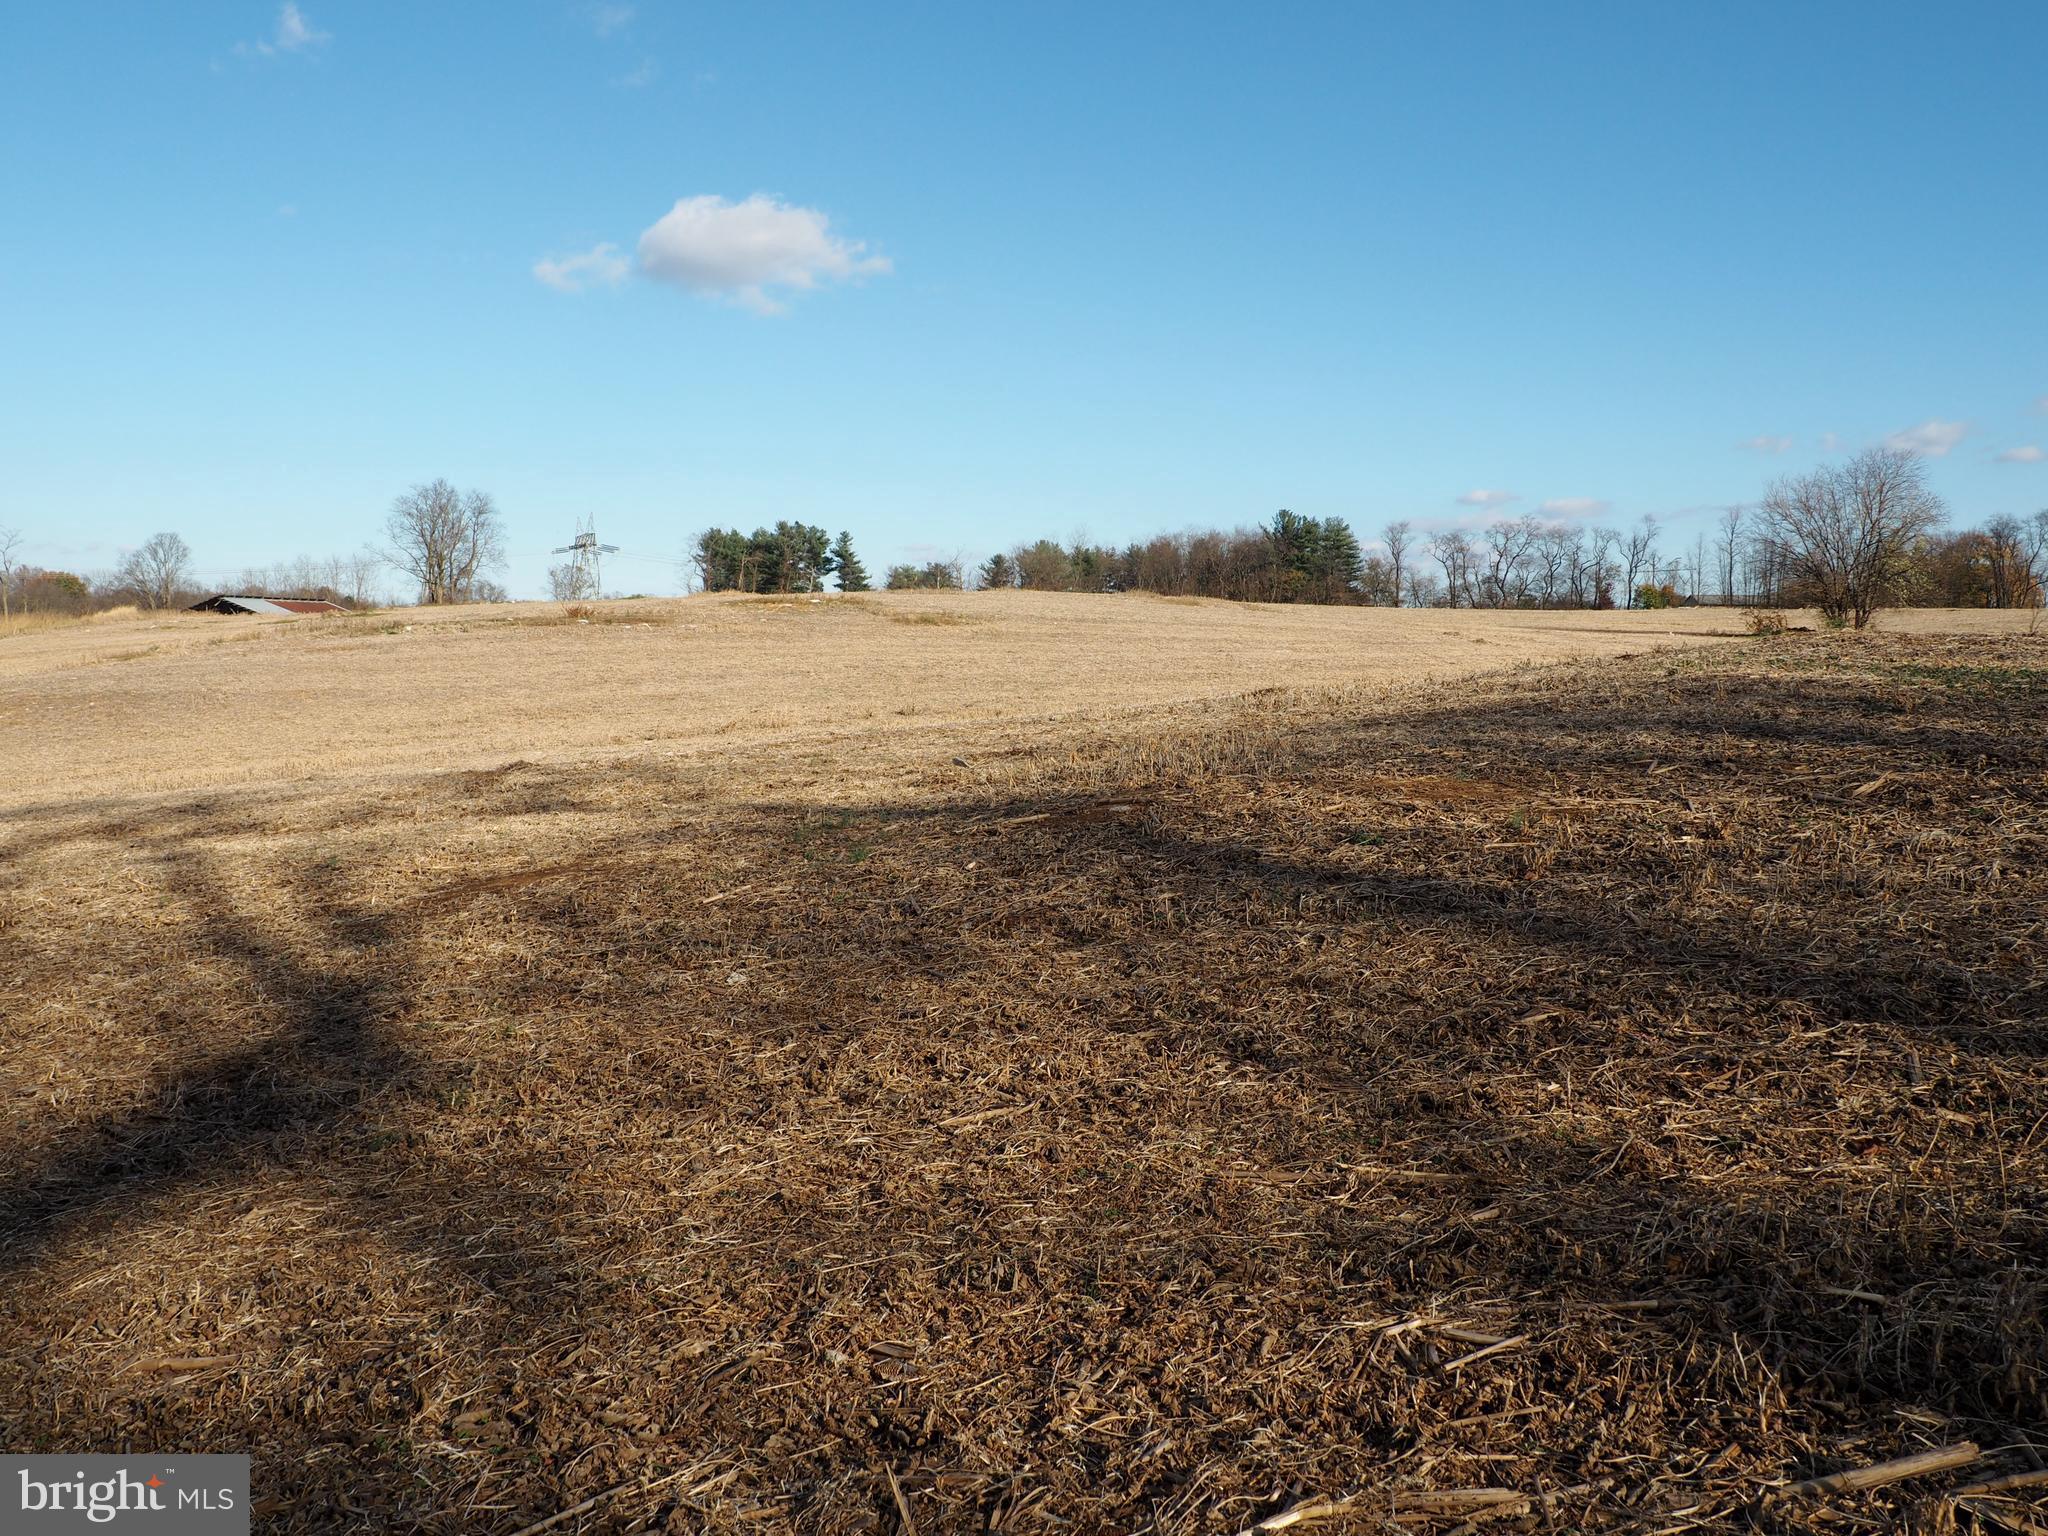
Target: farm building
[{"x": 231, "y": 603}]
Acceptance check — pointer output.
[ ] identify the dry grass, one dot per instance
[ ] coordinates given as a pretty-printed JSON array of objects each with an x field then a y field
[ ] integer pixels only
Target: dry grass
[
  {"x": 245, "y": 701},
  {"x": 1584, "y": 1097},
  {"x": 41, "y": 623}
]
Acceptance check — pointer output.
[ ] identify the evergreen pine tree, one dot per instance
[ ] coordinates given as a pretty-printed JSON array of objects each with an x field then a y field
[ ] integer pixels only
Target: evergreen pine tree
[
  {"x": 1342, "y": 561},
  {"x": 853, "y": 576}
]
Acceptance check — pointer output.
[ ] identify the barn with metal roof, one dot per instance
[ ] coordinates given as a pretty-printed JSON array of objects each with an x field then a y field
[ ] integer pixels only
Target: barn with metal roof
[{"x": 228, "y": 602}]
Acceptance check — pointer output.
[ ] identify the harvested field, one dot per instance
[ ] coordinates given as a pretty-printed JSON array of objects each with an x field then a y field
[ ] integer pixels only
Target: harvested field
[
  {"x": 187, "y": 701},
  {"x": 1588, "y": 1096}
]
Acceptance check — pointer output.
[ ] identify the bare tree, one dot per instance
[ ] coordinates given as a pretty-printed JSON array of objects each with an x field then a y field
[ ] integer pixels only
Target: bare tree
[
  {"x": 10, "y": 541},
  {"x": 357, "y": 576},
  {"x": 1639, "y": 556},
  {"x": 2034, "y": 550},
  {"x": 1453, "y": 551},
  {"x": 1396, "y": 536},
  {"x": 1601, "y": 567},
  {"x": 1727, "y": 547},
  {"x": 1557, "y": 551},
  {"x": 445, "y": 540},
  {"x": 570, "y": 583},
  {"x": 156, "y": 572},
  {"x": 1845, "y": 533}
]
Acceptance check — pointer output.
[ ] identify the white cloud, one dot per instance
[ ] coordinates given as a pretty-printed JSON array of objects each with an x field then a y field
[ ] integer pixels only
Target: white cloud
[
  {"x": 294, "y": 34},
  {"x": 294, "y": 31},
  {"x": 607, "y": 19},
  {"x": 600, "y": 266},
  {"x": 739, "y": 251},
  {"x": 1766, "y": 442},
  {"x": 1931, "y": 439},
  {"x": 1830, "y": 442},
  {"x": 640, "y": 75},
  {"x": 2041, "y": 405},
  {"x": 1574, "y": 506},
  {"x": 2027, "y": 455},
  {"x": 1485, "y": 498}
]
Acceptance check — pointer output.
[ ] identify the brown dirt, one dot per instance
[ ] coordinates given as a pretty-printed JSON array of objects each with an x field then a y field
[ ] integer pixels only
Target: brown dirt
[{"x": 1619, "y": 1084}]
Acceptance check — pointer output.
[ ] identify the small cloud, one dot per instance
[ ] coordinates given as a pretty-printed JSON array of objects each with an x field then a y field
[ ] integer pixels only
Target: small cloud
[
  {"x": 293, "y": 34},
  {"x": 1931, "y": 439},
  {"x": 2041, "y": 405},
  {"x": 1574, "y": 506},
  {"x": 1484, "y": 498},
  {"x": 605, "y": 19},
  {"x": 287, "y": 210},
  {"x": 599, "y": 267},
  {"x": 1766, "y": 443},
  {"x": 2027, "y": 455},
  {"x": 641, "y": 76},
  {"x": 739, "y": 251},
  {"x": 1830, "y": 442}
]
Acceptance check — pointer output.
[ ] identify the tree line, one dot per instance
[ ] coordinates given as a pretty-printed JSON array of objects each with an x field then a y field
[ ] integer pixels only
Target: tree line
[
  {"x": 447, "y": 542},
  {"x": 1846, "y": 538}
]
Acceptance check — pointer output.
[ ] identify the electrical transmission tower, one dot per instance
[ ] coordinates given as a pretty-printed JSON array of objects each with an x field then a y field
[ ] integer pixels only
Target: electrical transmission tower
[{"x": 585, "y": 549}]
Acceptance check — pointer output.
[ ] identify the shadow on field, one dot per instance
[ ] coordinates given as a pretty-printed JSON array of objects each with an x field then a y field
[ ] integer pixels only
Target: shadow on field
[
  {"x": 327, "y": 984},
  {"x": 1115, "y": 1148}
]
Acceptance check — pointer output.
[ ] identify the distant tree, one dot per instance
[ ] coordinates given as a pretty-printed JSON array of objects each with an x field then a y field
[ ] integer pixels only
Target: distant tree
[
  {"x": 1845, "y": 533},
  {"x": 802, "y": 557},
  {"x": 1396, "y": 536},
  {"x": 790, "y": 557},
  {"x": 1339, "y": 564},
  {"x": 156, "y": 572},
  {"x": 1602, "y": 566},
  {"x": 52, "y": 591},
  {"x": 343, "y": 579},
  {"x": 998, "y": 570},
  {"x": 1376, "y": 582},
  {"x": 445, "y": 540},
  {"x": 1507, "y": 546},
  {"x": 1043, "y": 567},
  {"x": 1639, "y": 556},
  {"x": 2016, "y": 559},
  {"x": 853, "y": 576},
  {"x": 721, "y": 558},
  {"x": 570, "y": 583},
  {"x": 1551, "y": 559},
  {"x": 1727, "y": 547},
  {"x": 10, "y": 541},
  {"x": 935, "y": 575},
  {"x": 1452, "y": 550},
  {"x": 1293, "y": 546}
]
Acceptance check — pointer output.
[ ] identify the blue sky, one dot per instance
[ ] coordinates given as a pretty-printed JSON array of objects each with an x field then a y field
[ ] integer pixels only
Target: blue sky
[{"x": 950, "y": 275}]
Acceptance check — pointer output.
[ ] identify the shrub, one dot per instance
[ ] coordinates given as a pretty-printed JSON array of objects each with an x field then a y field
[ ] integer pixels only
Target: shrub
[
  {"x": 1763, "y": 621},
  {"x": 1649, "y": 595}
]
